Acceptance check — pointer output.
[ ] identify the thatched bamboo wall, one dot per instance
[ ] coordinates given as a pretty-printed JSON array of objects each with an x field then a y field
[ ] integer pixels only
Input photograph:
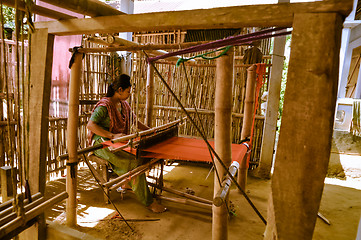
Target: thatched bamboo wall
[{"x": 9, "y": 96}]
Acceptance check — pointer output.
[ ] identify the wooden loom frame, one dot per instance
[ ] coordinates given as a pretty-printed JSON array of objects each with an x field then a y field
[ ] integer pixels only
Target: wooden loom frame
[{"x": 307, "y": 114}]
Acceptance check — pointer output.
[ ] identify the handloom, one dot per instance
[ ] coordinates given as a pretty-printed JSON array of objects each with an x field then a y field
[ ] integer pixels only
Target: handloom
[{"x": 165, "y": 144}]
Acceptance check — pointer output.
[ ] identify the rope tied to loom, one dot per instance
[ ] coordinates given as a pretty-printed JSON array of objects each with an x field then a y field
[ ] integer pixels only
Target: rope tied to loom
[
  {"x": 233, "y": 40},
  {"x": 261, "y": 70},
  {"x": 225, "y": 50}
]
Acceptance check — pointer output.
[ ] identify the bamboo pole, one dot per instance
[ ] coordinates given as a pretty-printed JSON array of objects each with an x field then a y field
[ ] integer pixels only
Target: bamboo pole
[
  {"x": 8, "y": 216},
  {"x": 186, "y": 202},
  {"x": 247, "y": 120},
  {"x": 182, "y": 194},
  {"x": 150, "y": 96},
  {"x": 200, "y": 111},
  {"x": 7, "y": 207},
  {"x": 119, "y": 46},
  {"x": 72, "y": 139},
  {"x": 126, "y": 44},
  {"x": 222, "y": 136},
  {"x": 130, "y": 174}
]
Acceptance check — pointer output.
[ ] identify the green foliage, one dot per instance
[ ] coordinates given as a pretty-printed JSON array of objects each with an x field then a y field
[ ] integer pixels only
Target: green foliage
[
  {"x": 284, "y": 79},
  {"x": 8, "y": 13},
  {"x": 356, "y": 118}
]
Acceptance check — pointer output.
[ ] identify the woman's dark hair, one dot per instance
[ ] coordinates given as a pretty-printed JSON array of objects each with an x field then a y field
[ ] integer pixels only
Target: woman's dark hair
[{"x": 121, "y": 81}]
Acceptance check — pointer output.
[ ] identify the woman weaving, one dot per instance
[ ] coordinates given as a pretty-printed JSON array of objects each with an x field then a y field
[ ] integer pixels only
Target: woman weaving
[{"x": 111, "y": 119}]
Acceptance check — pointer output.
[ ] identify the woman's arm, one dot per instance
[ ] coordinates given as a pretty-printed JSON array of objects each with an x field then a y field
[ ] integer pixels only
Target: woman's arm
[{"x": 95, "y": 128}]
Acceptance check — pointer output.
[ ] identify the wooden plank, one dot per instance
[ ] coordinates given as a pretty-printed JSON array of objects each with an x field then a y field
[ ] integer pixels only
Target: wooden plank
[
  {"x": 39, "y": 99},
  {"x": 307, "y": 124},
  {"x": 38, "y": 10},
  {"x": 40, "y": 88},
  {"x": 265, "y": 15}
]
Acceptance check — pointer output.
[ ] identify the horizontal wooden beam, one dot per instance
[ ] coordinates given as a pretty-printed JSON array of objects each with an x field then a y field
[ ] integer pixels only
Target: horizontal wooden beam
[
  {"x": 46, "y": 12},
  {"x": 91, "y": 8},
  {"x": 265, "y": 15}
]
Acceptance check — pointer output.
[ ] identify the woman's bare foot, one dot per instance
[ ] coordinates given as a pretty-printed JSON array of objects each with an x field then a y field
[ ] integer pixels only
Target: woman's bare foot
[{"x": 156, "y": 207}]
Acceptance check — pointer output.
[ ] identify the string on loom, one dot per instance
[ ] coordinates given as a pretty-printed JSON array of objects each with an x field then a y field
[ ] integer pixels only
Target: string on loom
[
  {"x": 199, "y": 119},
  {"x": 233, "y": 40},
  {"x": 260, "y": 70},
  {"x": 225, "y": 50}
]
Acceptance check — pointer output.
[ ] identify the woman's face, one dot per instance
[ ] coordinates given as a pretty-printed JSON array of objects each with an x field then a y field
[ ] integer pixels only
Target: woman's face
[{"x": 123, "y": 94}]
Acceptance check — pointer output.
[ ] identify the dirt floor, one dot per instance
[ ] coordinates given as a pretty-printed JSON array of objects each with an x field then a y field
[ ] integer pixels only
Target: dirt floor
[{"x": 340, "y": 204}]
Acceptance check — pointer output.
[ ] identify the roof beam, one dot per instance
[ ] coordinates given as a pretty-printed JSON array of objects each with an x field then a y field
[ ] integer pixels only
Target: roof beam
[
  {"x": 92, "y": 8},
  {"x": 265, "y": 15}
]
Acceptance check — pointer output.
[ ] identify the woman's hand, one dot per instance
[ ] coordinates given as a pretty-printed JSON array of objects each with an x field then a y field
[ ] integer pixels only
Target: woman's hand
[{"x": 95, "y": 128}]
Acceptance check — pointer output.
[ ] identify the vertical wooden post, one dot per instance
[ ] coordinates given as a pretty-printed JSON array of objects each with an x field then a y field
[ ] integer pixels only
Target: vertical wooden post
[
  {"x": 247, "y": 120},
  {"x": 273, "y": 101},
  {"x": 72, "y": 139},
  {"x": 150, "y": 96},
  {"x": 2, "y": 71},
  {"x": 38, "y": 104},
  {"x": 307, "y": 124},
  {"x": 223, "y": 137}
]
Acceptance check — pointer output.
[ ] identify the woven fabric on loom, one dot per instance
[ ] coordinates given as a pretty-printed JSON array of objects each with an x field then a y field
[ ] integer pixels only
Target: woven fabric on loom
[{"x": 188, "y": 149}]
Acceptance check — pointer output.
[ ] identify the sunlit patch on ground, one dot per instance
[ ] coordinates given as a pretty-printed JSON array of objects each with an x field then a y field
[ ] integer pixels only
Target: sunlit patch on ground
[{"x": 92, "y": 215}]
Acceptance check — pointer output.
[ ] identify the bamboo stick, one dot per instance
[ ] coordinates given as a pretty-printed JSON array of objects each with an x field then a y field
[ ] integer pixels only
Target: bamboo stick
[
  {"x": 127, "y": 44},
  {"x": 182, "y": 194},
  {"x": 223, "y": 141},
  {"x": 7, "y": 216},
  {"x": 200, "y": 111},
  {"x": 119, "y": 46},
  {"x": 8, "y": 204},
  {"x": 146, "y": 166},
  {"x": 150, "y": 96},
  {"x": 72, "y": 139},
  {"x": 186, "y": 202},
  {"x": 195, "y": 64},
  {"x": 247, "y": 120},
  {"x": 4, "y": 214}
]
